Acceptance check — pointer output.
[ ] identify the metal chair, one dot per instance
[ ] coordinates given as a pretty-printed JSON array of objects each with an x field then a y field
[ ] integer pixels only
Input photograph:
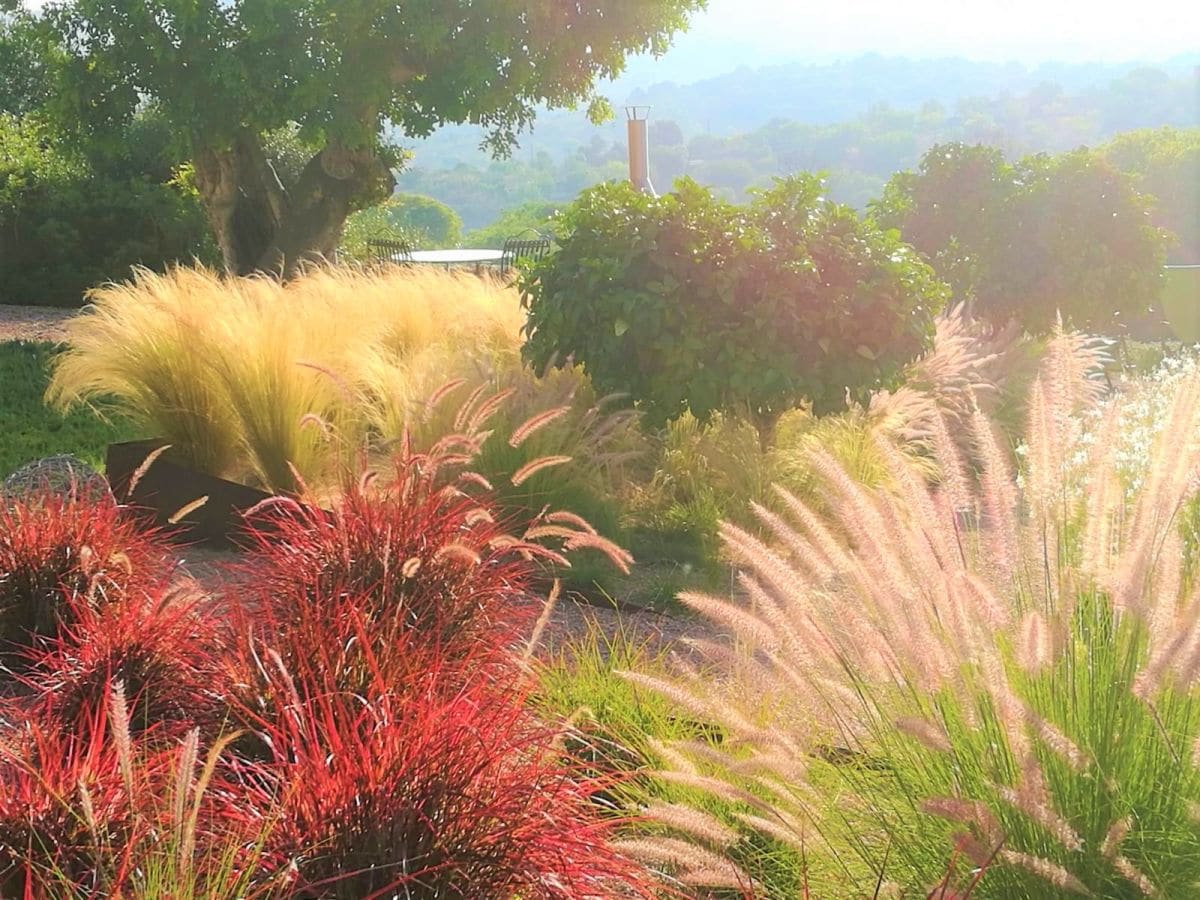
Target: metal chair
[
  {"x": 390, "y": 249},
  {"x": 520, "y": 248}
]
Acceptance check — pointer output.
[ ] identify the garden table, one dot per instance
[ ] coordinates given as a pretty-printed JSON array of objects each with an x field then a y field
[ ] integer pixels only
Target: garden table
[{"x": 462, "y": 257}]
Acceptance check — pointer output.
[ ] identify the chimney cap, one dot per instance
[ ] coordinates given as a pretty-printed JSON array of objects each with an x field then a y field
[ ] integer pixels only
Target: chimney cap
[{"x": 637, "y": 112}]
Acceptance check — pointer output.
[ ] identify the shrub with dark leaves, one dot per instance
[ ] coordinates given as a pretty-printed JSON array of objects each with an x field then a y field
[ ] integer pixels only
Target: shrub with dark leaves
[{"x": 53, "y": 547}]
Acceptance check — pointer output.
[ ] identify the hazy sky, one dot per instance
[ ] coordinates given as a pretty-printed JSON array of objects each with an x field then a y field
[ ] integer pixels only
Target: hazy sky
[
  {"x": 758, "y": 31},
  {"x": 1025, "y": 30}
]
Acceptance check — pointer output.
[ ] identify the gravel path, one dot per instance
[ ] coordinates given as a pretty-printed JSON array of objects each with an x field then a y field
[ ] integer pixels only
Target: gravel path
[{"x": 33, "y": 323}]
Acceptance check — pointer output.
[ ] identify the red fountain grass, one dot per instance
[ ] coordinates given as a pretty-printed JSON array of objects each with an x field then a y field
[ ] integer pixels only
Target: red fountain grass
[
  {"x": 425, "y": 547},
  {"x": 48, "y": 830},
  {"x": 338, "y": 644},
  {"x": 53, "y": 547},
  {"x": 390, "y": 746},
  {"x": 98, "y": 813},
  {"x": 163, "y": 647},
  {"x": 421, "y": 794}
]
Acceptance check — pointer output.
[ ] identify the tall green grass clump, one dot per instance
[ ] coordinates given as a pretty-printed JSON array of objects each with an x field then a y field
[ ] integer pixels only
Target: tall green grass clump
[
  {"x": 988, "y": 685},
  {"x": 620, "y": 728}
]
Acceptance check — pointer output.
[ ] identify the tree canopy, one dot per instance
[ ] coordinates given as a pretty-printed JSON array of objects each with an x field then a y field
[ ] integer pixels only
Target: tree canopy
[
  {"x": 227, "y": 72},
  {"x": 420, "y": 221},
  {"x": 24, "y": 84},
  {"x": 1032, "y": 239},
  {"x": 1165, "y": 163},
  {"x": 70, "y": 220},
  {"x": 532, "y": 216}
]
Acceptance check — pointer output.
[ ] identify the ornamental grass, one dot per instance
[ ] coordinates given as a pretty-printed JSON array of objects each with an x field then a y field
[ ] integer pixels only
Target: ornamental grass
[
  {"x": 999, "y": 670},
  {"x": 274, "y": 383},
  {"x": 346, "y": 717},
  {"x": 60, "y": 550}
]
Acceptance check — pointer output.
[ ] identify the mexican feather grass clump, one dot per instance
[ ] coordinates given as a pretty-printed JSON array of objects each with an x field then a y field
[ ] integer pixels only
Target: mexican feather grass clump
[
  {"x": 988, "y": 686},
  {"x": 264, "y": 381}
]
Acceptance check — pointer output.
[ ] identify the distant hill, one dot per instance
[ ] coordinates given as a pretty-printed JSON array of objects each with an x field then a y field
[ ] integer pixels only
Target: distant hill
[
  {"x": 749, "y": 98},
  {"x": 791, "y": 127}
]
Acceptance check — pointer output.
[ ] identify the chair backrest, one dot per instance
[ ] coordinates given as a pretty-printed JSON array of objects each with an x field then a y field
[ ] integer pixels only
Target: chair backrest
[
  {"x": 518, "y": 248},
  {"x": 390, "y": 249}
]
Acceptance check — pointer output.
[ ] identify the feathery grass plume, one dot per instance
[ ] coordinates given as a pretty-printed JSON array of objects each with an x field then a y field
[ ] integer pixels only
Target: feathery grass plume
[
  {"x": 979, "y": 672},
  {"x": 691, "y": 821},
  {"x": 559, "y": 416},
  {"x": 148, "y": 344},
  {"x": 997, "y": 494},
  {"x": 538, "y": 447},
  {"x": 1069, "y": 382},
  {"x": 695, "y": 865},
  {"x": 1051, "y": 873},
  {"x": 969, "y": 365},
  {"x": 1034, "y": 645},
  {"x": 624, "y": 728},
  {"x": 534, "y": 466}
]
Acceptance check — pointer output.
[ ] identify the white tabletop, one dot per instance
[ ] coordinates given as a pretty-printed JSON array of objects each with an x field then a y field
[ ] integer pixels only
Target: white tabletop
[{"x": 450, "y": 257}]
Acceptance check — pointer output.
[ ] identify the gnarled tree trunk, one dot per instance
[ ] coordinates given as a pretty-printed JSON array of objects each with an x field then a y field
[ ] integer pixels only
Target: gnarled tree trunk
[{"x": 261, "y": 226}]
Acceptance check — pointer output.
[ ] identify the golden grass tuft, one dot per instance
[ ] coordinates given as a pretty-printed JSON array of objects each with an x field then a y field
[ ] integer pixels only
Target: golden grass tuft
[{"x": 277, "y": 383}]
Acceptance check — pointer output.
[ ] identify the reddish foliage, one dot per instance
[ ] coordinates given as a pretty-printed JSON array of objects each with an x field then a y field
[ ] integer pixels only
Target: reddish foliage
[
  {"x": 162, "y": 647},
  {"x": 411, "y": 791},
  {"x": 82, "y": 813},
  {"x": 53, "y": 546},
  {"x": 45, "y": 836},
  {"x": 342, "y": 643},
  {"x": 429, "y": 554},
  {"x": 391, "y": 749}
]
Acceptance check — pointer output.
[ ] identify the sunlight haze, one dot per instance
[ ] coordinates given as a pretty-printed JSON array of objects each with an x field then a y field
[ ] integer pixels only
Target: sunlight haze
[{"x": 1024, "y": 30}]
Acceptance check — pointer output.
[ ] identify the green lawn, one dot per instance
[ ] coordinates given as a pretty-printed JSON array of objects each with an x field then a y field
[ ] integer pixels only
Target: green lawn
[{"x": 28, "y": 430}]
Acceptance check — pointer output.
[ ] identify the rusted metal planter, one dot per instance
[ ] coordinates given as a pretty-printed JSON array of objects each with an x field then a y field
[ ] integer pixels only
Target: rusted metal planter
[{"x": 166, "y": 488}]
